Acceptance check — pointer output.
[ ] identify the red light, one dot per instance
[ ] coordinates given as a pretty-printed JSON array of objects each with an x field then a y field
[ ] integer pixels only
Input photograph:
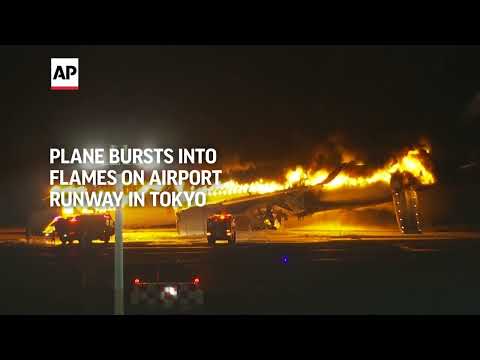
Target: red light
[
  {"x": 196, "y": 281},
  {"x": 73, "y": 220},
  {"x": 136, "y": 281}
]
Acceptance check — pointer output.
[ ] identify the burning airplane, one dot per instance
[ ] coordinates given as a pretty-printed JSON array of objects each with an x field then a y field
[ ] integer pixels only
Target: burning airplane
[
  {"x": 264, "y": 205},
  {"x": 261, "y": 205}
]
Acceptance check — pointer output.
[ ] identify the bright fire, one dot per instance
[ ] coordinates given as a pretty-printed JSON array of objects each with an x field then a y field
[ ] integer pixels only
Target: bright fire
[{"x": 411, "y": 162}]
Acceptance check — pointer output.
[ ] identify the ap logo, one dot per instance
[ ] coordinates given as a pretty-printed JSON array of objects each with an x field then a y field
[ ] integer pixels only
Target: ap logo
[{"x": 64, "y": 74}]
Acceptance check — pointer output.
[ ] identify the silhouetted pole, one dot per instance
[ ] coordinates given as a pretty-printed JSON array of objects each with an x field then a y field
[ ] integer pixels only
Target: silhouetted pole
[{"x": 118, "y": 272}]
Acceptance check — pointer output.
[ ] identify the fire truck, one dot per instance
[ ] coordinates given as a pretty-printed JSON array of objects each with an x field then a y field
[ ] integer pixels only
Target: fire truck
[
  {"x": 221, "y": 227},
  {"x": 84, "y": 228}
]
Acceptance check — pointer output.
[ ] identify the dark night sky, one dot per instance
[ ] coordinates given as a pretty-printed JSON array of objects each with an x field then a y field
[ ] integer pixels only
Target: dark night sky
[{"x": 268, "y": 105}]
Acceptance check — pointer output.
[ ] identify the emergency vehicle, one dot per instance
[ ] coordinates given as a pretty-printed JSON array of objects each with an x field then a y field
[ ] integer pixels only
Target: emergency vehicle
[
  {"x": 84, "y": 228},
  {"x": 221, "y": 227}
]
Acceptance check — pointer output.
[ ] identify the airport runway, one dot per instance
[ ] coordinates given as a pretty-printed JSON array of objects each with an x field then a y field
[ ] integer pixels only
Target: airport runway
[
  {"x": 169, "y": 237},
  {"x": 294, "y": 272}
]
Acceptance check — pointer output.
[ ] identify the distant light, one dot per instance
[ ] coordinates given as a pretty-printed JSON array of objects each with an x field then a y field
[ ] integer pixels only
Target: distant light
[
  {"x": 170, "y": 290},
  {"x": 136, "y": 281},
  {"x": 285, "y": 259},
  {"x": 196, "y": 281}
]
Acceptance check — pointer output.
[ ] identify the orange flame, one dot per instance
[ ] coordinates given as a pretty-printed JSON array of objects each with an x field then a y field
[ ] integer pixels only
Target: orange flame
[{"x": 411, "y": 162}]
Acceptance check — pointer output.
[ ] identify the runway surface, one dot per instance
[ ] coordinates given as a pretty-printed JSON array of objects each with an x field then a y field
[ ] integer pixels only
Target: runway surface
[
  {"x": 301, "y": 271},
  {"x": 170, "y": 237}
]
